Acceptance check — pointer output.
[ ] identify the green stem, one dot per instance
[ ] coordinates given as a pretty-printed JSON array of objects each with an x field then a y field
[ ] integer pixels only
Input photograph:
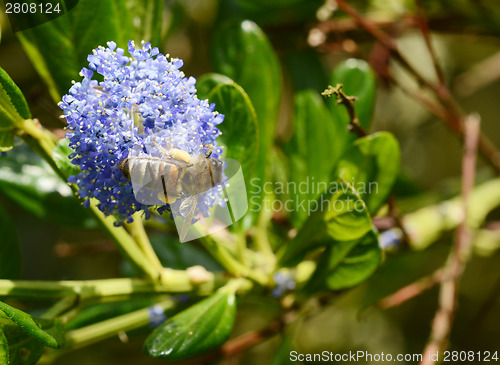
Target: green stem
[
  {"x": 229, "y": 262},
  {"x": 111, "y": 327},
  {"x": 138, "y": 233},
  {"x": 177, "y": 281},
  {"x": 126, "y": 244},
  {"x": 61, "y": 306}
]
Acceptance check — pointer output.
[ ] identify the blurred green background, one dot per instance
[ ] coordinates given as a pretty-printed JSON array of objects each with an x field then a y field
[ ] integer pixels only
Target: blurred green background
[{"x": 467, "y": 40}]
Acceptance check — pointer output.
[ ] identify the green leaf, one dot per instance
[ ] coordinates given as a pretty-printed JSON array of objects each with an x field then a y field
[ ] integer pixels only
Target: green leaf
[
  {"x": 10, "y": 252},
  {"x": 61, "y": 157},
  {"x": 199, "y": 328},
  {"x": 32, "y": 184},
  {"x": 339, "y": 215},
  {"x": 12, "y": 96},
  {"x": 359, "y": 80},
  {"x": 49, "y": 332},
  {"x": 242, "y": 52},
  {"x": 314, "y": 149},
  {"x": 22, "y": 348},
  {"x": 7, "y": 120},
  {"x": 371, "y": 165},
  {"x": 6, "y": 140},
  {"x": 239, "y": 129},
  {"x": 346, "y": 264},
  {"x": 12, "y": 101},
  {"x": 58, "y": 49},
  {"x": 4, "y": 348}
]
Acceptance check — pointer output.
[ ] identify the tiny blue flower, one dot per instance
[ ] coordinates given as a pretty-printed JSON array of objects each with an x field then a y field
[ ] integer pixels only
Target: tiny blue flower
[{"x": 141, "y": 102}]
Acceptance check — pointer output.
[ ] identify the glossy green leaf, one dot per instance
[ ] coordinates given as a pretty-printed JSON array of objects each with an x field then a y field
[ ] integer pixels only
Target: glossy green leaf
[
  {"x": 58, "y": 49},
  {"x": 7, "y": 119},
  {"x": 315, "y": 147},
  {"x": 339, "y": 215},
  {"x": 199, "y": 328},
  {"x": 61, "y": 158},
  {"x": 10, "y": 252},
  {"x": 242, "y": 52},
  {"x": 4, "y": 348},
  {"x": 359, "y": 80},
  {"x": 239, "y": 129},
  {"x": 33, "y": 185},
  {"x": 346, "y": 264},
  {"x": 22, "y": 348},
  {"x": 6, "y": 140},
  {"x": 10, "y": 94},
  {"x": 371, "y": 165},
  {"x": 49, "y": 332}
]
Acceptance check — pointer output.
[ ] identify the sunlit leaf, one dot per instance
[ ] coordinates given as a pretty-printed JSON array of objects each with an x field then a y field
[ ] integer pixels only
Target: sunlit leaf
[
  {"x": 199, "y": 328},
  {"x": 4, "y": 348},
  {"x": 239, "y": 129},
  {"x": 313, "y": 151},
  {"x": 10, "y": 94},
  {"x": 49, "y": 332},
  {"x": 339, "y": 215},
  {"x": 242, "y": 52},
  {"x": 346, "y": 264},
  {"x": 6, "y": 140},
  {"x": 61, "y": 157},
  {"x": 371, "y": 165}
]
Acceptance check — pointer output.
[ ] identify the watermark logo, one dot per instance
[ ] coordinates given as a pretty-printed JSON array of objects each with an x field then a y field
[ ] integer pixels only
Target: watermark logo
[{"x": 309, "y": 196}]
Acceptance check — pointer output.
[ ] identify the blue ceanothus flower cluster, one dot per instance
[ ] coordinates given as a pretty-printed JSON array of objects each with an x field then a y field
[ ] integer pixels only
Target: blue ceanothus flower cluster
[{"x": 143, "y": 105}]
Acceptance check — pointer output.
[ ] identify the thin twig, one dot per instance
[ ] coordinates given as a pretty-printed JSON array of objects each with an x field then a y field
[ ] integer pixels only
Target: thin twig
[
  {"x": 443, "y": 320},
  {"x": 424, "y": 28},
  {"x": 412, "y": 290},
  {"x": 348, "y": 102}
]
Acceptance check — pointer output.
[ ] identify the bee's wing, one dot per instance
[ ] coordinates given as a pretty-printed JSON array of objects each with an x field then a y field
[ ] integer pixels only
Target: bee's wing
[{"x": 187, "y": 209}]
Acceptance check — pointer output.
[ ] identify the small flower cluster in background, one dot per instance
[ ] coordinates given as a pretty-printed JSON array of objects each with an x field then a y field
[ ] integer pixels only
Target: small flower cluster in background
[{"x": 143, "y": 101}]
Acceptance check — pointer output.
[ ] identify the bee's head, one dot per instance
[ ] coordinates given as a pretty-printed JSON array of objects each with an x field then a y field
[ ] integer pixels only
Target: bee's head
[
  {"x": 124, "y": 168},
  {"x": 217, "y": 167}
]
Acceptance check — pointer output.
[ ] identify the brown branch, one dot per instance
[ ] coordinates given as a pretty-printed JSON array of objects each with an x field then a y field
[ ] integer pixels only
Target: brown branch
[
  {"x": 443, "y": 319},
  {"x": 348, "y": 102},
  {"x": 243, "y": 342},
  {"x": 412, "y": 290},
  {"x": 424, "y": 29}
]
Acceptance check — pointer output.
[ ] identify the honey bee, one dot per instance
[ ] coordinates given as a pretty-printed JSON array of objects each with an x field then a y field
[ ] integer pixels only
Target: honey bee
[{"x": 176, "y": 175}]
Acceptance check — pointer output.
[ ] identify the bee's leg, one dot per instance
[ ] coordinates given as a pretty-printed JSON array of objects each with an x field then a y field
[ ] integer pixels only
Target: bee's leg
[
  {"x": 210, "y": 149},
  {"x": 163, "y": 150}
]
